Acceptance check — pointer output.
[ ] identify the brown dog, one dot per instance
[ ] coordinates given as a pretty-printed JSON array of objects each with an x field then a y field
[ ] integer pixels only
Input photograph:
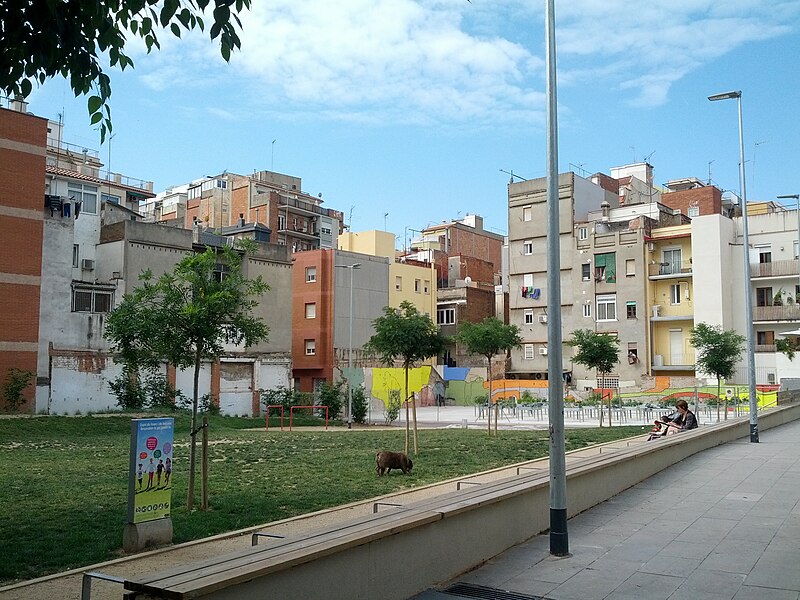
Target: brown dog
[{"x": 386, "y": 461}]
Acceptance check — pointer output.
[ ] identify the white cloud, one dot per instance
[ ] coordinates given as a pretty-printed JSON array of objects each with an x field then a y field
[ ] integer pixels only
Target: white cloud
[{"x": 449, "y": 61}]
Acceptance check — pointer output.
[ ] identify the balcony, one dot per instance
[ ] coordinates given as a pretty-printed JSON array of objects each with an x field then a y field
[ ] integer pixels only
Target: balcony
[
  {"x": 307, "y": 208},
  {"x": 789, "y": 312},
  {"x": 778, "y": 268},
  {"x": 674, "y": 362},
  {"x": 766, "y": 348},
  {"x": 667, "y": 270}
]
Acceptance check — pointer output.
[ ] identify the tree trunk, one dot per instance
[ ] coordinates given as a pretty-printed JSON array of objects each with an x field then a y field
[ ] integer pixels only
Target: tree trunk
[
  {"x": 718, "y": 398},
  {"x": 204, "y": 468},
  {"x": 408, "y": 422},
  {"x": 193, "y": 445},
  {"x": 496, "y": 406},
  {"x": 414, "y": 415}
]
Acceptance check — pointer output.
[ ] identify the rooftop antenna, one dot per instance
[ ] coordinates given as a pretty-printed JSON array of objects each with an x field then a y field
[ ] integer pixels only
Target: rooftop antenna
[
  {"x": 647, "y": 158},
  {"x": 386, "y": 214},
  {"x": 753, "y": 170},
  {"x": 709, "y": 171},
  {"x": 511, "y": 172},
  {"x": 633, "y": 148},
  {"x": 272, "y": 164}
]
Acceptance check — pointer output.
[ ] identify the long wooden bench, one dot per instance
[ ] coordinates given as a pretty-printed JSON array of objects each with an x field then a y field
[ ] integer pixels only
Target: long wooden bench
[{"x": 401, "y": 550}]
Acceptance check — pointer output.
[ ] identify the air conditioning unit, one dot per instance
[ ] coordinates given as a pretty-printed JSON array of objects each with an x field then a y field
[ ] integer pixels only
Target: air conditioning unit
[
  {"x": 87, "y": 264},
  {"x": 542, "y": 318},
  {"x": 543, "y": 351},
  {"x": 770, "y": 377}
]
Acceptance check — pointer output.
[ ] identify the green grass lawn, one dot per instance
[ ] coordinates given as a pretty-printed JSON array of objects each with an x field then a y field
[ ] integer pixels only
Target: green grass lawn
[{"x": 64, "y": 479}]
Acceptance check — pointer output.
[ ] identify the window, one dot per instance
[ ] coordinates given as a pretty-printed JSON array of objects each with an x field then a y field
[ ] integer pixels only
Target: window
[
  {"x": 398, "y": 283},
  {"x": 311, "y": 347},
  {"x": 671, "y": 262},
  {"x": 605, "y": 267},
  {"x": 528, "y": 351},
  {"x": 527, "y": 213},
  {"x": 528, "y": 316},
  {"x": 764, "y": 254},
  {"x": 796, "y": 247},
  {"x": 527, "y": 280},
  {"x": 630, "y": 310},
  {"x": 220, "y": 272},
  {"x": 446, "y": 316},
  {"x": 586, "y": 272},
  {"x": 110, "y": 198},
  {"x": 527, "y": 247},
  {"x": 86, "y": 194},
  {"x": 311, "y": 274},
  {"x": 417, "y": 285},
  {"x": 630, "y": 267},
  {"x": 764, "y": 296},
  {"x": 694, "y": 211},
  {"x": 426, "y": 286},
  {"x": 311, "y": 310},
  {"x": 92, "y": 299},
  {"x": 765, "y": 338},
  {"x": 76, "y": 255},
  {"x": 583, "y": 233},
  {"x": 675, "y": 294},
  {"x": 633, "y": 353},
  {"x": 587, "y": 310},
  {"x": 325, "y": 230},
  {"x": 281, "y": 222},
  {"x": 607, "y": 307}
]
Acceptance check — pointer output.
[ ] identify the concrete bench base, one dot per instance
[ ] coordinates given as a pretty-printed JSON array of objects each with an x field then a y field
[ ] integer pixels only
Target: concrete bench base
[{"x": 401, "y": 551}]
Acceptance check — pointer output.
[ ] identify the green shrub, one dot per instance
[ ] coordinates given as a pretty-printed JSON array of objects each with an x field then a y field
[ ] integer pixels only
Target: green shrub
[
  {"x": 16, "y": 382},
  {"x": 128, "y": 389},
  {"x": 330, "y": 395},
  {"x": 392, "y": 410},
  {"x": 359, "y": 401}
]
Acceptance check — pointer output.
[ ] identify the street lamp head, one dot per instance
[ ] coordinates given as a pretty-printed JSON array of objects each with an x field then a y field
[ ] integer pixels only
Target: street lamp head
[
  {"x": 793, "y": 196},
  {"x": 355, "y": 266},
  {"x": 726, "y": 96}
]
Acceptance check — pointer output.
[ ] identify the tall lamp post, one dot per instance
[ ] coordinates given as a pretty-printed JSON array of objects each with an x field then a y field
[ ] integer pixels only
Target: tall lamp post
[
  {"x": 748, "y": 305},
  {"x": 350, "y": 348},
  {"x": 797, "y": 199}
]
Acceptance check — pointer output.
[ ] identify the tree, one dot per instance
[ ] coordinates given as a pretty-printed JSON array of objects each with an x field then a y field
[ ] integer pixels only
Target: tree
[
  {"x": 718, "y": 351},
  {"x": 187, "y": 316},
  {"x": 44, "y": 38},
  {"x": 489, "y": 338},
  {"x": 788, "y": 346},
  {"x": 407, "y": 335},
  {"x": 598, "y": 351}
]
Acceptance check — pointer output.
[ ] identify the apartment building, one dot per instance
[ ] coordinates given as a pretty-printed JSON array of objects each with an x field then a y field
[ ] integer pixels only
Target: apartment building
[{"x": 297, "y": 219}]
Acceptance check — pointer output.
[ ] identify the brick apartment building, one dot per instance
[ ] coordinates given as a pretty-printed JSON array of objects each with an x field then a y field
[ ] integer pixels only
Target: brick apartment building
[{"x": 23, "y": 152}]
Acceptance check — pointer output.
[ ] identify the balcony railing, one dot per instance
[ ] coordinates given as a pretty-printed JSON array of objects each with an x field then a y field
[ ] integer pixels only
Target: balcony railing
[
  {"x": 778, "y": 268},
  {"x": 766, "y": 348},
  {"x": 309, "y": 207},
  {"x": 790, "y": 312},
  {"x": 670, "y": 268},
  {"x": 686, "y": 360}
]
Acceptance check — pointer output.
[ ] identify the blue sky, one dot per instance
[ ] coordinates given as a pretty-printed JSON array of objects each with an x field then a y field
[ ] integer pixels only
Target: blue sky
[{"x": 411, "y": 108}]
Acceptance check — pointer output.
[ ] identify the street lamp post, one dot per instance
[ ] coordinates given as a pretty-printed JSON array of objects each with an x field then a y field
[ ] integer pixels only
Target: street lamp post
[
  {"x": 350, "y": 348},
  {"x": 797, "y": 198},
  {"x": 748, "y": 305}
]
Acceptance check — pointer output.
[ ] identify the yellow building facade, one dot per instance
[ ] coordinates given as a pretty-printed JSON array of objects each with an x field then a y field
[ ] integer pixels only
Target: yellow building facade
[{"x": 670, "y": 299}]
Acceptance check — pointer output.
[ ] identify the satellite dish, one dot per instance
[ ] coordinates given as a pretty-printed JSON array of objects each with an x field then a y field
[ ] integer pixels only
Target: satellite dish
[{"x": 467, "y": 279}]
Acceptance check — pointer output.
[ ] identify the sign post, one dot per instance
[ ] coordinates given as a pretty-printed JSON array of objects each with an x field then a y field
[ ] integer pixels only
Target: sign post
[{"x": 149, "y": 484}]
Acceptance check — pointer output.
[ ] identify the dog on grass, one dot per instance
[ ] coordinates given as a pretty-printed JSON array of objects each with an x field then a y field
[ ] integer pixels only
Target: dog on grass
[{"x": 386, "y": 461}]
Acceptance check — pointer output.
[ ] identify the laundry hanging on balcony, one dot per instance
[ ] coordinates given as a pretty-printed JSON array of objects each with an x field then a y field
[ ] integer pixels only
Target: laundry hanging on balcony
[{"x": 531, "y": 292}]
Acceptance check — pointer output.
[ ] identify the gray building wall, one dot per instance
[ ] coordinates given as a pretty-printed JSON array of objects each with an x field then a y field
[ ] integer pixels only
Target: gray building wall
[{"x": 370, "y": 296}]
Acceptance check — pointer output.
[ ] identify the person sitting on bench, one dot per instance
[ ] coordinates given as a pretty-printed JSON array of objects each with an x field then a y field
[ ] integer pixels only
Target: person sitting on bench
[{"x": 682, "y": 420}]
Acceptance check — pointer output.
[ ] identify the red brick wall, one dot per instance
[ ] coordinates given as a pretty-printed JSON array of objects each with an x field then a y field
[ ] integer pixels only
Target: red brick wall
[
  {"x": 708, "y": 199},
  {"x": 239, "y": 203},
  {"x": 469, "y": 243},
  {"x": 23, "y": 145},
  {"x": 320, "y": 329}
]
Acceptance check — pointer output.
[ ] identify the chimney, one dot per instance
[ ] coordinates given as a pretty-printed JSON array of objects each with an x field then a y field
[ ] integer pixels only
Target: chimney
[
  {"x": 196, "y": 231},
  {"x": 241, "y": 220},
  {"x": 19, "y": 104}
]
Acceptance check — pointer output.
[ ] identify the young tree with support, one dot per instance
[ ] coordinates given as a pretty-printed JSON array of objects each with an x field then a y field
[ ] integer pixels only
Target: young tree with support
[
  {"x": 598, "y": 351},
  {"x": 187, "y": 316},
  {"x": 407, "y": 335},
  {"x": 489, "y": 338},
  {"x": 717, "y": 351}
]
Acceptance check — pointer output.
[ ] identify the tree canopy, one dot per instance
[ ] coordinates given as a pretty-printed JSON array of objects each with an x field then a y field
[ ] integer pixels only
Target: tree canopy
[
  {"x": 598, "y": 351},
  {"x": 409, "y": 336},
  {"x": 44, "y": 38},
  {"x": 717, "y": 352},
  {"x": 187, "y": 316},
  {"x": 489, "y": 338}
]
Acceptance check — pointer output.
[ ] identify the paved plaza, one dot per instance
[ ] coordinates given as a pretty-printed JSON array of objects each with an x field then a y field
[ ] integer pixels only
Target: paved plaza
[{"x": 723, "y": 524}]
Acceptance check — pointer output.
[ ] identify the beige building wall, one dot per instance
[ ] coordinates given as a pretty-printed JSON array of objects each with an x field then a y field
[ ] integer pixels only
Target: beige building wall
[
  {"x": 414, "y": 284},
  {"x": 373, "y": 242}
]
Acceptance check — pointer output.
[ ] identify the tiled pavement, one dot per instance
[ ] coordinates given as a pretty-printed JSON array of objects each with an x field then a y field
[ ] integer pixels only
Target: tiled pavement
[{"x": 721, "y": 525}]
